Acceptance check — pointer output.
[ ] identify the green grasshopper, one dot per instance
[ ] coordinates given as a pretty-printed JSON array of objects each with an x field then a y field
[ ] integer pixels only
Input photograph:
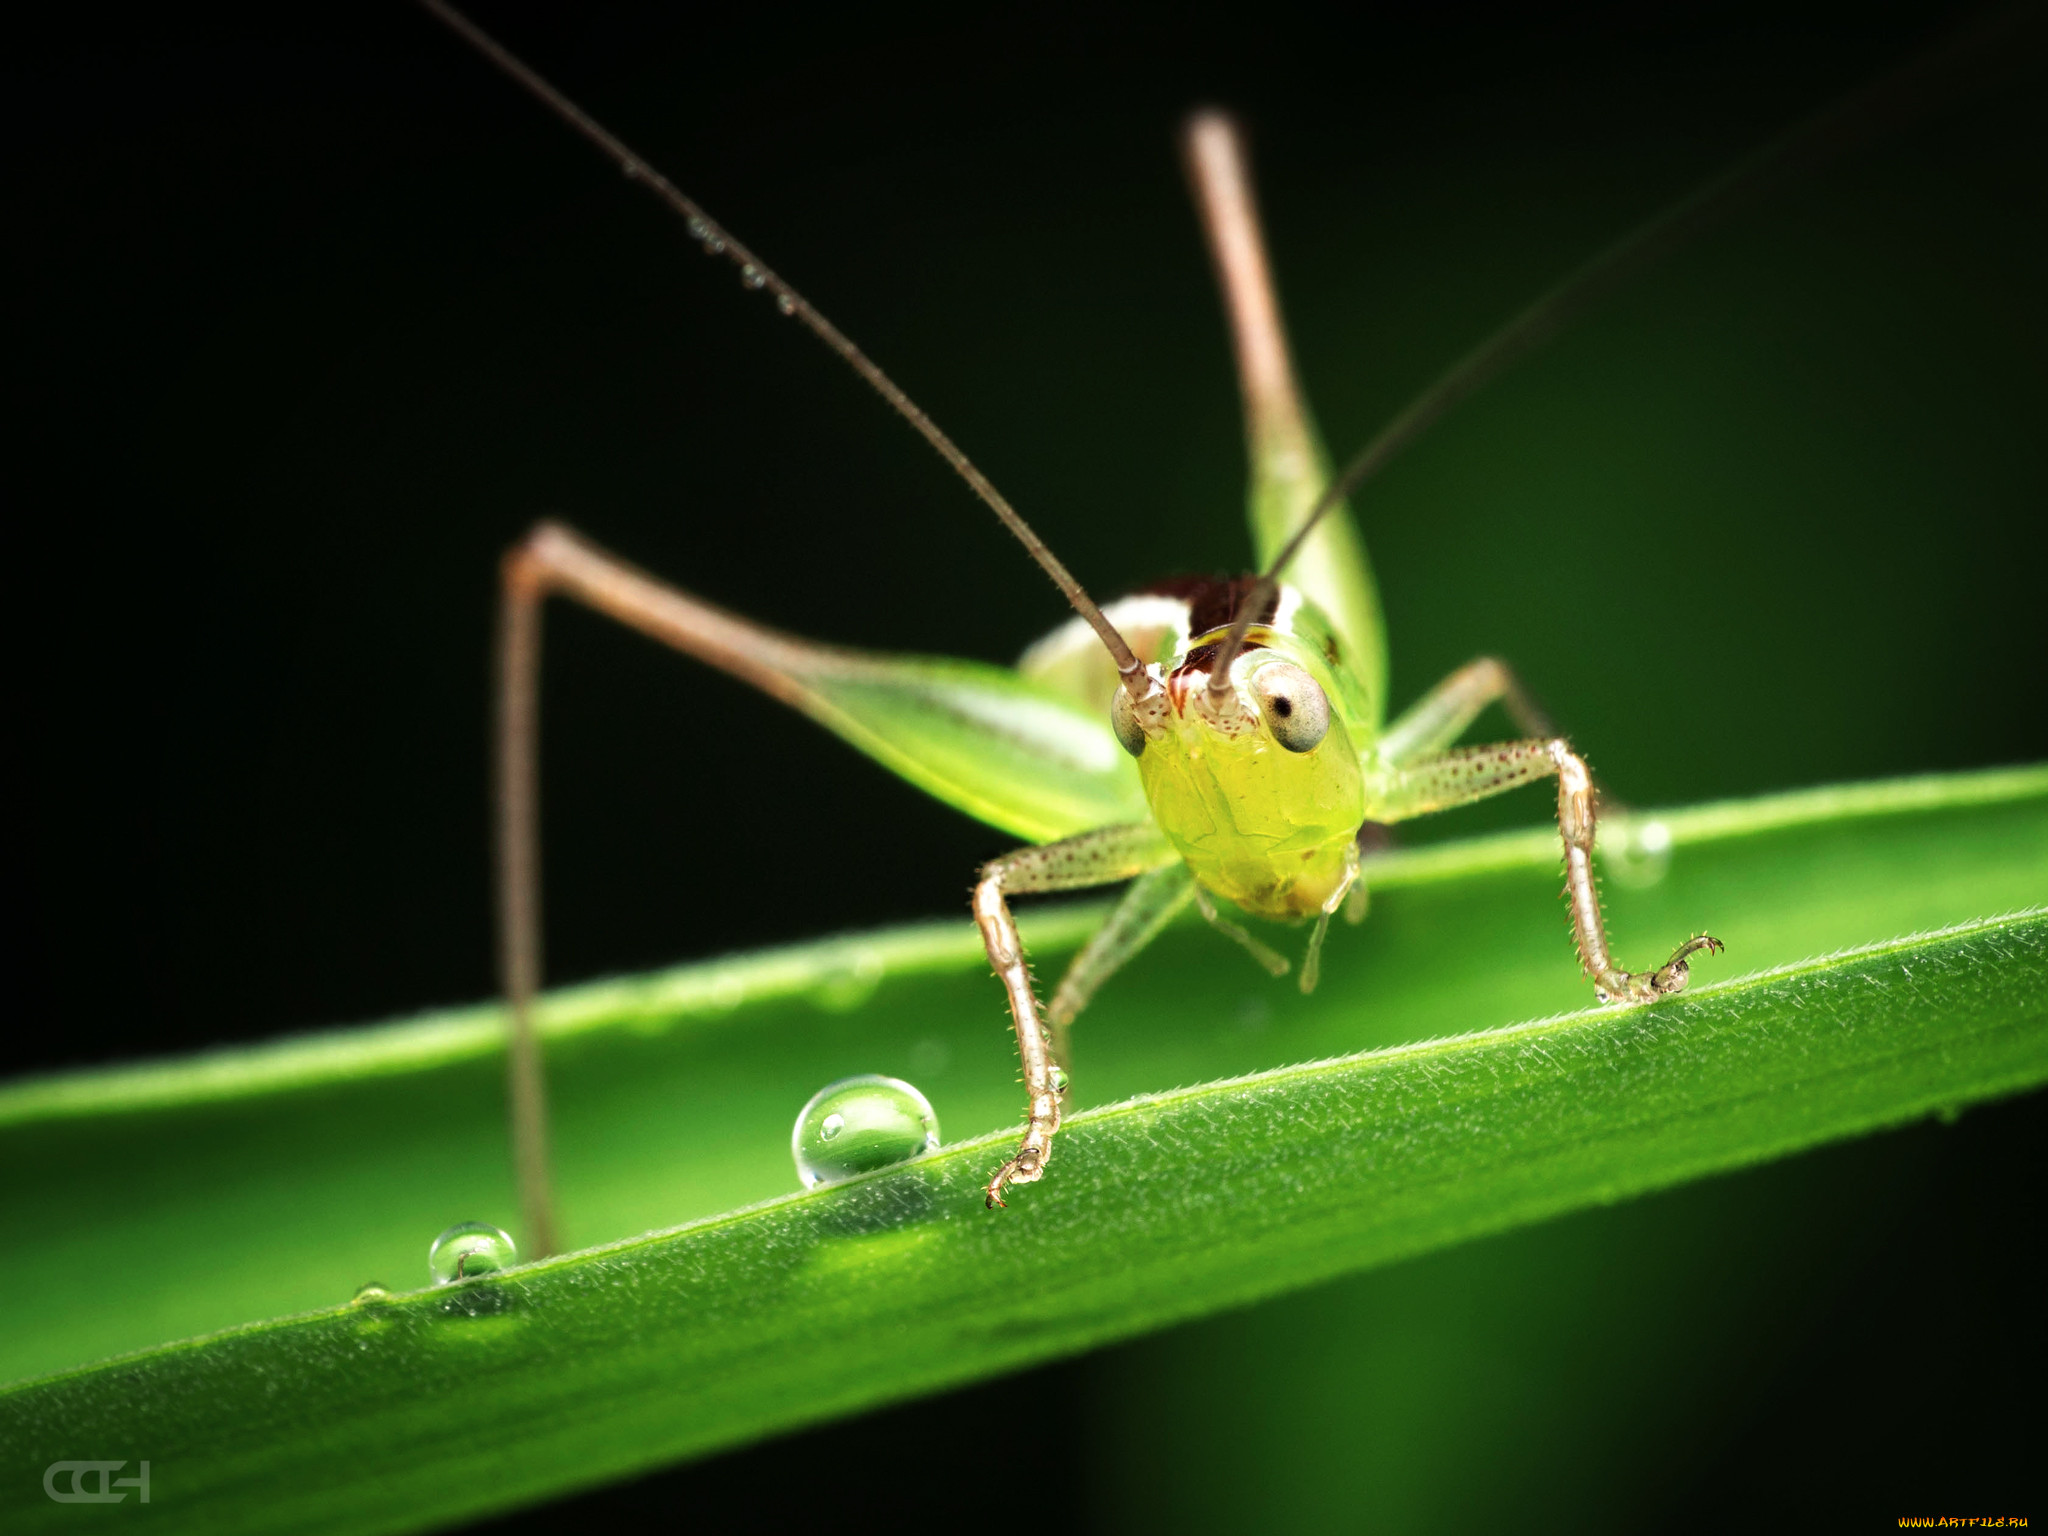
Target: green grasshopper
[{"x": 1209, "y": 741}]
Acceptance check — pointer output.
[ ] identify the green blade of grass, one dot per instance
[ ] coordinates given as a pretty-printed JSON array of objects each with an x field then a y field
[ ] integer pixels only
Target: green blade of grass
[
  {"x": 257, "y": 1183},
  {"x": 1166, "y": 1207}
]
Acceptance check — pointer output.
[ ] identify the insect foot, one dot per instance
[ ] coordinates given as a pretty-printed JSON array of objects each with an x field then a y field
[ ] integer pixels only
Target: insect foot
[
  {"x": 1667, "y": 980},
  {"x": 1027, "y": 1167}
]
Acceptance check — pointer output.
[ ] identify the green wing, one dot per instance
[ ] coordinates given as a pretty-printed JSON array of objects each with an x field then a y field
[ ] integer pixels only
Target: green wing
[
  {"x": 1007, "y": 750},
  {"x": 1014, "y": 751}
]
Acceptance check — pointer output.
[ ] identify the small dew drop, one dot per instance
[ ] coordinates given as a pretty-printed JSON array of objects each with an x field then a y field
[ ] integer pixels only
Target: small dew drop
[
  {"x": 469, "y": 1249},
  {"x": 751, "y": 276},
  {"x": 1059, "y": 1081},
  {"x": 859, "y": 1124},
  {"x": 930, "y": 1057},
  {"x": 699, "y": 230},
  {"x": 1636, "y": 853},
  {"x": 369, "y": 1295},
  {"x": 785, "y": 303},
  {"x": 850, "y": 981},
  {"x": 713, "y": 246},
  {"x": 725, "y": 994}
]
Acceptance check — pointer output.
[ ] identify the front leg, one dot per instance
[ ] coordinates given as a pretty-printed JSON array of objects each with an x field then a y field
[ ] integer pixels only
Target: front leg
[
  {"x": 1575, "y": 825},
  {"x": 1441, "y": 716},
  {"x": 1093, "y": 858},
  {"x": 1474, "y": 773},
  {"x": 1154, "y": 899}
]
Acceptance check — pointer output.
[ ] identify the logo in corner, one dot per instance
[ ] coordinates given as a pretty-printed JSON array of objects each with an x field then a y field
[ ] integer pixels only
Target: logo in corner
[{"x": 79, "y": 1471}]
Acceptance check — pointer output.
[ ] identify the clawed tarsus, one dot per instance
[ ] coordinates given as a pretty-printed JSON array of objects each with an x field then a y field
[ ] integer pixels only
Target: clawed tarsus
[{"x": 1667, "y": 980}]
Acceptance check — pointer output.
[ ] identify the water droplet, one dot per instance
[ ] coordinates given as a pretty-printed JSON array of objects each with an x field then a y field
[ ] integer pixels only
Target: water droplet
[
  {"x": 785, "y": 303},
  {"x": 1059, "y": 1080},
  {"x": 850, "y": 982},
  {"x": 859, "y": 1124},
  {"x": 699, "y": 230},
  {"x": 930, "y": 1057},
  {"x": 751, "y": 276},
  {"x": 1636, "y": 854},
  {"x": 725, "y": 993},
  {"x": 369, "y": 1295},
  {"x": 713, "y": 246},
  {"x": 469, "y": 1249}
]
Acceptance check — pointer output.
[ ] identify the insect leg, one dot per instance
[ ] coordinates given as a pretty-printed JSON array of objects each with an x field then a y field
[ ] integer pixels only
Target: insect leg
[
  {"x": 1093, "y": 858},
  {"x": 1442, "y": 715},
  {"x": 1272, "y": 960},
  {"x": 1474, "y": 773},
  {"x": 553, "y": 560},
  {"x": 1312, "y": 962},
  {"x": 997, "y": 745},
  {"x": 1154, "y": 900},
  {"x": 1356, "y": 900},
  {"x": 1289, "y": 467},
  {"x": 516, "y": 775}
]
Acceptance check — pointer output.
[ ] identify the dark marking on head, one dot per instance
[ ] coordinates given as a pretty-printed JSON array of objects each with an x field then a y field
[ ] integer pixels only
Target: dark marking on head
[
  {"x": 1214, "y": 601},
  {"x": 1198, "y": 659}
]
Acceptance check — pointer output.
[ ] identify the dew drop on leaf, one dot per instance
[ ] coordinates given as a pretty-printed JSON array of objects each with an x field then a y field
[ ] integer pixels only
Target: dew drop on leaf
[
  {"x": 1635, "y": 853},
  {"x": 369, "y": 1295},
  {"x": 859, "y": 1124},
  {"x": 469, "y": 1249}
]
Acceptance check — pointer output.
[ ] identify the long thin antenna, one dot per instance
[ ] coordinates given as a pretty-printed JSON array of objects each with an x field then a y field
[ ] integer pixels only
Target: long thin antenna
[
  {"x": 1889, "y": 101},
  {"x": 757, "y": 274}
]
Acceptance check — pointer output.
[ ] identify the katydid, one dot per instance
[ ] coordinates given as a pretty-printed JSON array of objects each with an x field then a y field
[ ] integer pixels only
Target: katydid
[{"x": 1208, "y": 741}]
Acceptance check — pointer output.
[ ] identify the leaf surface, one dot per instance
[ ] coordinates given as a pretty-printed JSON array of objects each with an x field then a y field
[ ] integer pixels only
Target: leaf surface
[{"x": 162, "y": 1201}]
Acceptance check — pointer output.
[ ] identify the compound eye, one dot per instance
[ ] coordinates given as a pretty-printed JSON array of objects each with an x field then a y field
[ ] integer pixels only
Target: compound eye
[
  {"x": 1296, "y": 711},
  {"x": 1124, "y": 721}
]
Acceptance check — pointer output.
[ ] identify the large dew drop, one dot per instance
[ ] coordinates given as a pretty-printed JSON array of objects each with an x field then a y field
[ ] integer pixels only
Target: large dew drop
[
  {"x": 859, "y": 1124},
  {"x": 469, "y": 1249}
]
